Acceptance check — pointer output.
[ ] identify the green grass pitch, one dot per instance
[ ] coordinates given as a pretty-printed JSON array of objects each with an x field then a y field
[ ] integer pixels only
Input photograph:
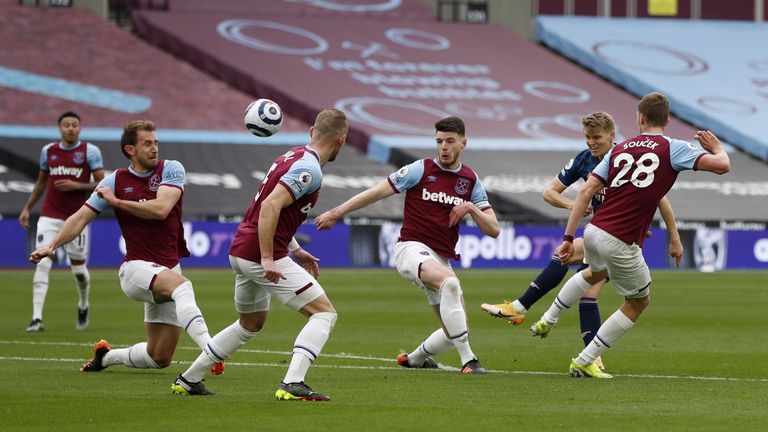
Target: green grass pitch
[{"x": 696, "y": 361}]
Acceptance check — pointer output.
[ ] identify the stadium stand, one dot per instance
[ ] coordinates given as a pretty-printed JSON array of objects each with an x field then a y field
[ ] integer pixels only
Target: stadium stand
[
  {"x": 522, "y": 103},
  {"x": 687, "y": 60},
  {"x": 221, "y": 178},
  {"x": 393, "y": 69},
  {"x": 105, "y": 74}
]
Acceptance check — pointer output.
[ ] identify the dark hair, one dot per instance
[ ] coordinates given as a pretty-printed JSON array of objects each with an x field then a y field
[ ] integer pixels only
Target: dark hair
[
  {"x": 450, "y": 124},
  {"x": 655, "y": 108},
  {"x": 130, "y": 133},
  {"x": 68, "y": 114}
]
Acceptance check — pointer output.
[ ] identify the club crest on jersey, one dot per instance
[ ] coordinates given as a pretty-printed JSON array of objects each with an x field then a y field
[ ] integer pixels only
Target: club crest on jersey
[
  {"x": 462, "y": 186},
  {"x": 305, "y": 178},
  {"x": 154, "y": 183},
  {"x": 78, "y": 158}
]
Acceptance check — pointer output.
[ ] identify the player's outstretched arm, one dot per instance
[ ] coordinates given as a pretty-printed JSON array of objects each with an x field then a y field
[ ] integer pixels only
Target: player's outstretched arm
[
  {"x": 553, "y": 195},
  {"x": 718, "y": 161},
  {"x": 72, "y": 227},
  {"x": 586, "y": 193},
  {"x": 157, "y": 209},
  {"x": 363, "y": 199}
]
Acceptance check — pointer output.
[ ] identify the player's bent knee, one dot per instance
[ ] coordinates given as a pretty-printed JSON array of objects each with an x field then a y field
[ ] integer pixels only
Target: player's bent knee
[
  {"x": 330, "y": 317},
  {"x": 253, "y": 322},
  {"x": 44, "y": 265},
  {"x": 161, "y": 358},
  {"x": 162, "y": 362},
  {"x": 451, "y": 287}
]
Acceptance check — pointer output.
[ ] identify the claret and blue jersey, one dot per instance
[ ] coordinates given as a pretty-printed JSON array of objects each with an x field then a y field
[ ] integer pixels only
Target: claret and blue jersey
[
  {"x": 298, "y": 170},
  {"x": 157, "y": 241},
  {"x": 431, "y": 193},
  {"x": 637, "y": 173},
  {"x": 67, "y": 163}
]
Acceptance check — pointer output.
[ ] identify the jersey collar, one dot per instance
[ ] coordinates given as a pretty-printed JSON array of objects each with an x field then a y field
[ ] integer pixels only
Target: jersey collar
[{"x": 439, "y": 165}]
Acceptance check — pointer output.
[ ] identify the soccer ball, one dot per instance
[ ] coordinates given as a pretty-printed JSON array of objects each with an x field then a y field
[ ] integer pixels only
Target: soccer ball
[{"x": 263, "y": 117}]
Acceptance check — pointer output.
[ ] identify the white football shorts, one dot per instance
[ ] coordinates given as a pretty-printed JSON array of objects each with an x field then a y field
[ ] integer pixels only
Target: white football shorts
[
  {"x": 409, "y": 255},
  {"x": 136, "y": 277},
  {"x": 47, "y": 228},
  {"x": 625, "y": 263},
  {"x": 253, "y": 291}
]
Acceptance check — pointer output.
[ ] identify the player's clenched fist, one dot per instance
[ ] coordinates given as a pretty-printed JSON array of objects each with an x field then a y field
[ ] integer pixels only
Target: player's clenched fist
[{"x": 40, "y": 253}]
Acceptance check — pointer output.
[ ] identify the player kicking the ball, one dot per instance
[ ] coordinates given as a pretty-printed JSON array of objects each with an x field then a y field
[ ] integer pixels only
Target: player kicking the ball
[
  {"x": 637, "y": 173},
  {"x": 439, "y": 193}
]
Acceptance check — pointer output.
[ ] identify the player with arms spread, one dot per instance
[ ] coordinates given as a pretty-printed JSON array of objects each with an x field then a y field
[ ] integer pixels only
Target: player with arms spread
[
  {"x": 66, "y": 167},
  {"x": 263, "y": 269},
  {"x": 637, "y": 173},
  {"x": 439, "y": 192},
  {"x": 147, "y": 198}
]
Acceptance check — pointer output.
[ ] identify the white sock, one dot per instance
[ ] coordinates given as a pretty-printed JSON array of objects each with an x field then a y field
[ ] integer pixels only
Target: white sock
[
  {"x": 308, "y": 345},
  {"x": 40, "y": 287},
  {"x": 189, "y": 315},
  {"x": 571, "y": 292},
  {"x": 455, "y": 318},
  {"x": 612, "y": 329},
  {"x": 219, "y": 348},
  {"x": 83, "y": 283},
  {"x": 436, "y": 343},
  {"x": 133, "y": 357},
  {"x": 519, "y": 306}
]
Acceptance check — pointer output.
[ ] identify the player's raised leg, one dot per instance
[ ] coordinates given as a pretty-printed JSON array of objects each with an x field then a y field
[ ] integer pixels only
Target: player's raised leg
[{"x": 549, "y": 278}]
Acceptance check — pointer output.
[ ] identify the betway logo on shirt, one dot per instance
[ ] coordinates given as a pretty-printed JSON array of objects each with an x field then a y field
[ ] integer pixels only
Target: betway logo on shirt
[
  {"x": 66, "y": 171},
  {"x": 440, "y": 197}
]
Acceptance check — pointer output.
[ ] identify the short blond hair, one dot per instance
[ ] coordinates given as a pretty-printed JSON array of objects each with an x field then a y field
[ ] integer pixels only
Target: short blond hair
[
  {"x": 330, "y": 124},
  {"x": 599, "y": 119}
]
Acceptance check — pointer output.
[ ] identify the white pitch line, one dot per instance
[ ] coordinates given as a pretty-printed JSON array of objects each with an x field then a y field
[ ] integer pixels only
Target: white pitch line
[{"x": 441, "y": 367}]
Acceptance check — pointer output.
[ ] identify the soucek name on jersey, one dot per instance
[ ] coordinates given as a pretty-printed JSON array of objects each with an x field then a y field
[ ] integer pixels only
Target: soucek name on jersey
[{"x": 638, "y": 172}]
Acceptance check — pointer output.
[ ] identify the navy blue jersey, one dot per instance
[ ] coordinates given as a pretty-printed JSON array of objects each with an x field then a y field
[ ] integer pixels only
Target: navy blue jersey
[{"x": 580, "y": 167}]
